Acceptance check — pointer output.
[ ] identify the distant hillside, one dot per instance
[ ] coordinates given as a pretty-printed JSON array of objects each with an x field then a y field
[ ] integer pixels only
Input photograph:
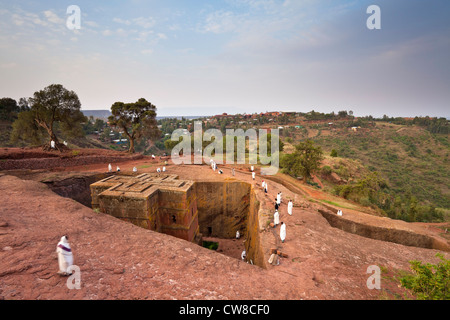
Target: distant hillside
[
  {"x": 413, "y": 161},
  {"x": 104, "y": 114},
  {"x": 101, "y": 114}
]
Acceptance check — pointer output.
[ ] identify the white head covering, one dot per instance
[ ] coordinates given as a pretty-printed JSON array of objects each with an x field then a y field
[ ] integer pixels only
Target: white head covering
[
  {"x": 65, "y": 244},
  {"x": 64, "y": 241}
]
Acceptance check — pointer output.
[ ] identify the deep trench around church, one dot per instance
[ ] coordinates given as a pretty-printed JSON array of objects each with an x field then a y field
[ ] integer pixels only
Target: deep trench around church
[{"x": 223, "y": 208}]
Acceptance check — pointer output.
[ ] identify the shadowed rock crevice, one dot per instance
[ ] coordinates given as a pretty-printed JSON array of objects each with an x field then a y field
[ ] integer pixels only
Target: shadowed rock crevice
[{"x": 76, "y": 187}]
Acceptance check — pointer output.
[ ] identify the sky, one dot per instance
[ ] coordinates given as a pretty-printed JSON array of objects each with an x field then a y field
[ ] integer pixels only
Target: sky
[{"x": 199, "y": 58}]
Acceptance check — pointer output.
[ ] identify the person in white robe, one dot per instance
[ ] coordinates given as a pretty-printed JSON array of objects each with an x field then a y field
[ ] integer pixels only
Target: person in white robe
[
  {"x": 65, "y": 256},
  {"x": 52, "y": 144},
  {"x": 290, "y": 207},
  {"x": 118, "y": 169},
  {"x": 283, "y": 232},
  {"x": 109, "y": 168},
  {"x": 238, "y": 235},
  {"x": 276, "y": 218},
  {"x": 263, "y": 184},
  {"x": 65, "y": 143},
  {"x": 278, "y": 199},
  {"x": 253, "y": 175},
  {"x": 134, "y": 169},
  {"x": 164, "y": 169},
  {"x": 252, "y": 168},
  {"x": 340, "y": 213},
  {"x": 243, "y": 255}
]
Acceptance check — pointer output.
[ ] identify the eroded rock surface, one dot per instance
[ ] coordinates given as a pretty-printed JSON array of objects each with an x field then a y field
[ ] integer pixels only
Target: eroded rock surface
[{"x": 121, "y": 261}]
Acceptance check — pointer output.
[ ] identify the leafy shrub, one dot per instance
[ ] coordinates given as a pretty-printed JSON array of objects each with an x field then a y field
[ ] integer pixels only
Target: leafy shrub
[
  {"x": 334, "y": 153},
  {"x": 429, "y": 282},
  {"x": 326, "y": 170}
]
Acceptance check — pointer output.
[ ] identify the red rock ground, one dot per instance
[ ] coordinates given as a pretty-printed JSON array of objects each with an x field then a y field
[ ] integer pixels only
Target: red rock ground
[{"x": 121, "y": 261}]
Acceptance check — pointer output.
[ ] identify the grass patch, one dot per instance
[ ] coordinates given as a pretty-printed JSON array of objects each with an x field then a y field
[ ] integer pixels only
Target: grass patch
[{"x": 210, "y": 245}]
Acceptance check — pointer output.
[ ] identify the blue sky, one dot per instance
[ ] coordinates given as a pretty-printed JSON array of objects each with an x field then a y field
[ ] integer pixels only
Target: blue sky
[{"x": 235, "y": 56}]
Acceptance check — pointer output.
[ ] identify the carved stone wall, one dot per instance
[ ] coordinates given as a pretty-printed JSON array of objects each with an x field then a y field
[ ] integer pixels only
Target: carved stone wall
[{"x": 156, "y": 202}]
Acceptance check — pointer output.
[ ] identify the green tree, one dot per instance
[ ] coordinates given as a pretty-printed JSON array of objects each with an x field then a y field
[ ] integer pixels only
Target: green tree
[
  {"x": 23, "y": 105},
  {"x": 137, "y": 120},
  {"x": 334, "y": 153},
  {"x": 304, "y": 161},
  {"x": 99, "y": 124},
  {"x": 268, "y": 138},
  {"x": 8, "y": 109},
  {"x": 169, "y": 144},
  {"x": 26, "y": 130},
  {"x": 52, "y": 107}
]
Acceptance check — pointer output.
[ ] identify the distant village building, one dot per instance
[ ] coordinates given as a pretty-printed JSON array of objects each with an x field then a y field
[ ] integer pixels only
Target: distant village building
[{"x": 120, "y": 141}]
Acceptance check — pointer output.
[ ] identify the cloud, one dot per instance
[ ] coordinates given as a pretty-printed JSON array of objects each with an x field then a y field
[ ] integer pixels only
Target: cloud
[
  {"x": 92, "y": 24},
  {"x": 145, "y": 23},
  {"x": 162, "y": 36},
  {"x": 147, "y": 51},
  {"x": 121, "y": 32},
  {"x": 8, "y": 65},
  {"x": 142, "y": 22},
  {"x": 17, "y": 20},
  {"x": 53, "y": 17},
  {"x": 221, "y": 22},
  {"x": 121, "y": 21},
  {"x": 25, "y": 19}
]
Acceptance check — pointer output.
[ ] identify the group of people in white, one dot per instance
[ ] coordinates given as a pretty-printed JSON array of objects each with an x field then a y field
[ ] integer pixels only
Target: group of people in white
[
  {"x": 53, "y": 144},
  {"x": 276, "y": 215},
  {"x": 215, "y": 168},
  {"x": 110, "y": 168},
  {"x": 159, "y": 170},
  {"x": 135, "y": 169}
]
